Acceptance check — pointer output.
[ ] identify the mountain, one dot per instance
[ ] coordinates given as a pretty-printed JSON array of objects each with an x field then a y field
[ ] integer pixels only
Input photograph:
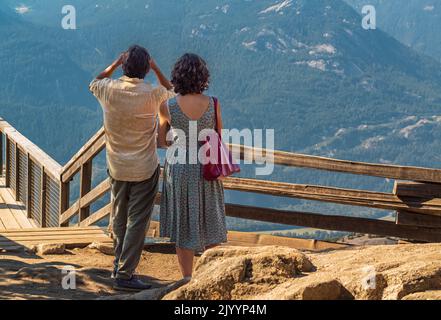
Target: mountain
[
  {"x": 303, "y": 67},
  {"x": 413, "y": 22},
  {"x": 38, "y": 87}
]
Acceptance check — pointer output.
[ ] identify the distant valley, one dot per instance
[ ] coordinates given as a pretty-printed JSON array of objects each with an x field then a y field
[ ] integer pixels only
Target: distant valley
[{"x": 304, "y": 67}]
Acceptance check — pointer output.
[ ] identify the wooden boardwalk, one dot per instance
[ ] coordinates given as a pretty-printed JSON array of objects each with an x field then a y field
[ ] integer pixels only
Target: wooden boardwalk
[
  {"x": 17, "y": 231},
  {"x": 12, "y": 214},
  {"x": 11, "y": 240}
]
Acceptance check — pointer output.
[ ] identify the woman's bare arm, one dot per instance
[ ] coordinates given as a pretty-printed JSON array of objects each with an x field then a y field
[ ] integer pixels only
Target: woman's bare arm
[
  {"x": 164, "y": 126},
  {"x": 220, "y": 124}
]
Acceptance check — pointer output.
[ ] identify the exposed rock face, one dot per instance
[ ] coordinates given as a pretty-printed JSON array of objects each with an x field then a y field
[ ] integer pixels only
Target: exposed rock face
[
  {"x": 367, "y": 273},
  {"x": 242, "y": 273}
]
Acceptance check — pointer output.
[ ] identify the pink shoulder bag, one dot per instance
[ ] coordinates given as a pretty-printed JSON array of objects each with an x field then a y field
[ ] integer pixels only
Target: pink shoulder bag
[{"x": 224, "y": 166}]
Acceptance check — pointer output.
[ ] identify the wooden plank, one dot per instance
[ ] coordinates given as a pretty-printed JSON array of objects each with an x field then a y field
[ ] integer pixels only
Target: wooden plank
[
  {"x": 7, "y": 217},
  {"x": 71, "y": 212},
  {"x": 14, "y": 207},
  {"x": 1, "y": 153},
  {"x": 64, "y": 199},
  {"x": 43, "y": 197},
  {"x": 38, "y": 239},
  {"x": 53, "y": 168},
  {"x": 351, "y": 197},
  {"x": 88, "y": 155},
  {"x": 97, "y": 216},
  {"x": 334, "y": 223},
  {"x": 35, "y": 235},
  {"x": 8, "y": 161},
  {"x": 419, "y": 220},
  {"x": 96, "y": 139},
  {"x": 44, "y": 230},
  {"x": 360, "y": 168},
  {"x": 85, "y": 187},
  {"x": 416, "y": 189},
  {"x": 17, "y": 173},
  {"x": 70, "y": 243},
  {"x": 247, "y": 239},
  {"x": 29, "y": 187},
  {"x": 95, "y": 194}
]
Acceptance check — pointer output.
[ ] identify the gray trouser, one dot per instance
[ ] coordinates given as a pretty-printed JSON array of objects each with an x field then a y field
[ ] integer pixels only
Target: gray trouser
[{"x": 133, "y": 204}]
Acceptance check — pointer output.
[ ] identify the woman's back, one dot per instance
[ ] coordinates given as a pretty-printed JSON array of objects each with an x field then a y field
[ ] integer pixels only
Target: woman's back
[{"x": 196, "y": 111}]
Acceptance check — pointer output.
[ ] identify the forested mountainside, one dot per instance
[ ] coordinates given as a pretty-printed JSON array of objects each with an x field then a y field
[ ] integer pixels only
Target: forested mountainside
[
  {"x": 413, "y": 22},
  {"x": 306, "y": 68}
]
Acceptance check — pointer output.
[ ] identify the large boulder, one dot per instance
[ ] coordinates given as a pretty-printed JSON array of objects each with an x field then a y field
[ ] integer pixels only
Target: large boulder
[
  {"x": 390, "y": 272},
  {"x": 241, "y": 273}
]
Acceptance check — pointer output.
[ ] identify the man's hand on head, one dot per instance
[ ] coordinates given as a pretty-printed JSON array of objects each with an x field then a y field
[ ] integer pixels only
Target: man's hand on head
[
  {"x": 107, "y": 73},
  {"x": 122, "y": 57}
]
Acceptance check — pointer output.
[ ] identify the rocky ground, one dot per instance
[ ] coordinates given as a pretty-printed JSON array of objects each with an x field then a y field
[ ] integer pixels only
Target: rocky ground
[{"x": 408, "y": 271}]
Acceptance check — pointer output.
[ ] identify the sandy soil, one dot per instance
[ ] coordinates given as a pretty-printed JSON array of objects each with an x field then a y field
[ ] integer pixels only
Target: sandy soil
[{"x": 28, "y": 276}]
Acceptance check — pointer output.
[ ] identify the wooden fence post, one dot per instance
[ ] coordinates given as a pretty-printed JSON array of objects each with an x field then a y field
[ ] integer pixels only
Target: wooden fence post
[
  {"x": 29, "y": 187},
  {"x": 85, "y": 188},
  {"x": 8, "y": 161},
  {"x": 43, "y": 198},
  {"x": 17, "y": 173},
  {"x": 1, "y": 153},
  {"x": 64, "y": 200}
]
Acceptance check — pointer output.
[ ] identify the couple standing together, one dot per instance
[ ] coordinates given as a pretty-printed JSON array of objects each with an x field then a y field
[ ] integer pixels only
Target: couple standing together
[{"x": 192, "y": 211}]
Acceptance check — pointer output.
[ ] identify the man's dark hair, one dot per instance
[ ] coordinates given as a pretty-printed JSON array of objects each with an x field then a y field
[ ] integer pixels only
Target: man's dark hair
[
  {"x": 137, "y": 62},
  {"x": 190, "y": 75}
]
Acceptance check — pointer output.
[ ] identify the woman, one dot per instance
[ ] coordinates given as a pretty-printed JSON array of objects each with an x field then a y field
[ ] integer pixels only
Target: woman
[{"x": 192, "y": 208}]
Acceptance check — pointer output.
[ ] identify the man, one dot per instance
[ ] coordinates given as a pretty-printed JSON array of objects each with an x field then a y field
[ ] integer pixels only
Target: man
[{"x": 130, "y": 108}]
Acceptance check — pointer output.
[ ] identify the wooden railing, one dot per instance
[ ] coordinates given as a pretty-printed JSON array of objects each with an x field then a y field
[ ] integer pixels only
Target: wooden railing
[
  {"x": 416, "y": 197},
  {"x": 32, "y": 175}
]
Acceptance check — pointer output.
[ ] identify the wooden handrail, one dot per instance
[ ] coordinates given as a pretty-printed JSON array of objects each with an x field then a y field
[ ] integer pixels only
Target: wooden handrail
[
  {"x": 283, "y": 158},
  {"x": 343, "y": 166},
  {"x": 52, "y": 167},
  {"x": 418, "y": 195},
  {"x": 33, "y": 176}
]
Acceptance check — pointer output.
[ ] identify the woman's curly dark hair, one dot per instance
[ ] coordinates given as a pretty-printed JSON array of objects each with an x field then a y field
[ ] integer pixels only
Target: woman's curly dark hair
[{"x": 190, "y": 75}]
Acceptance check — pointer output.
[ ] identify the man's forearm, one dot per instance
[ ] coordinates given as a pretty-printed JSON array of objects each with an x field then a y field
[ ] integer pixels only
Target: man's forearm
[
  {"x": 162, "y": 78},
  {"x": 108, "y": 72}
]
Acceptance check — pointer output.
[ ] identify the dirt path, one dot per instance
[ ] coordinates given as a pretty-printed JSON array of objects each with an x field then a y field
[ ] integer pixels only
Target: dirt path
[{"x": 28, "y": 276}]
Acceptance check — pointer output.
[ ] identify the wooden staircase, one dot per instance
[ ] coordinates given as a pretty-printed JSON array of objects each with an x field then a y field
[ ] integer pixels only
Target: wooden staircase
[{"x": 12, "y": 213}]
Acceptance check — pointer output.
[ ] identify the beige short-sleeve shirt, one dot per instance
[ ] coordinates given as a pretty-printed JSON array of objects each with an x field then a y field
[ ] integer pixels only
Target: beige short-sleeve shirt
[{"x": 130, "y": 108}]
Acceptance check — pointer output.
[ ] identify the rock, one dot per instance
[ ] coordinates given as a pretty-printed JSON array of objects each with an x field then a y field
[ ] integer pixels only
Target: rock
[
  {"x": 153, "y": 294},
  {"x": 232, "y": 273},
  {"x": 391, "y": 272},
  {"x": 325, "y": 288},
  {"x": 426, "y": 295},
  {"x": 48, "y": 249},
  {"x": 103, "y": 248}
]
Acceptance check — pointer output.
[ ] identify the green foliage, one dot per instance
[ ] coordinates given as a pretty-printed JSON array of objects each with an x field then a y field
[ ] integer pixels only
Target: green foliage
[{"x": 371, "y": 80}]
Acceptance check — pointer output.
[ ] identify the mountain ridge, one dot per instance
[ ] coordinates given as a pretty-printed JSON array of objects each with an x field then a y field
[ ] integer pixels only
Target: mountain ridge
[{"x": 305, "y": 68}]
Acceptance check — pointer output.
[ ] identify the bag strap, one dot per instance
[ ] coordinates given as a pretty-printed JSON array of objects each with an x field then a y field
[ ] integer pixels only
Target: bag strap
[{"x": 216, "y": 108}]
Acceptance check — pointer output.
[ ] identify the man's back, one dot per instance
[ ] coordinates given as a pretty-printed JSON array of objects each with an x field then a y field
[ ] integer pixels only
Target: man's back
[{"x": 130, "y": 108}]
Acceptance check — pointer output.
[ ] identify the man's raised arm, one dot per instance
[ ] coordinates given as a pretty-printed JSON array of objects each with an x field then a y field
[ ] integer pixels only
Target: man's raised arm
[
  {"x": 163, "y": 80},
  {"x": 108, "y": 72}
]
